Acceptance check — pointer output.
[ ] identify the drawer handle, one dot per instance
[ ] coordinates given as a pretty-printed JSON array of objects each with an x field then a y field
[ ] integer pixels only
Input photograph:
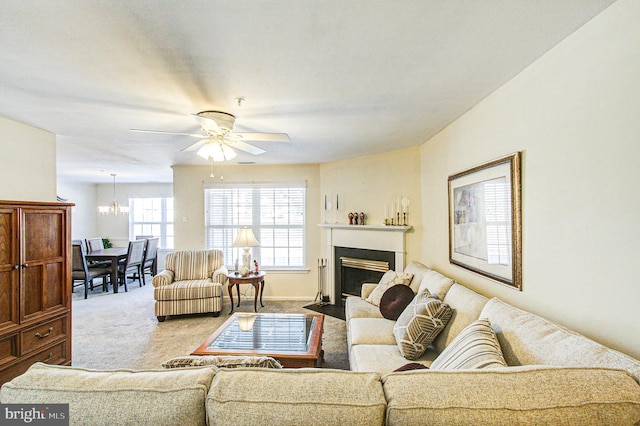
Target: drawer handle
[
  {"x": 47, "y": 334},
  {"x": 48, "y": 358}
]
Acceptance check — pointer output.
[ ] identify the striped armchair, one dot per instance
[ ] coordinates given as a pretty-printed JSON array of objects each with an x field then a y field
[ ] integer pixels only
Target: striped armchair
[{"x": 191, "y": 283}]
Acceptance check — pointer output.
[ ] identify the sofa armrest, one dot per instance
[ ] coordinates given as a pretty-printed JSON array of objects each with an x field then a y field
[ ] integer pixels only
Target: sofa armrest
[
  {"x": 220, "y": 275},
  {"x": 165, "y": 277},
  {"x": 366, "y": 290}
]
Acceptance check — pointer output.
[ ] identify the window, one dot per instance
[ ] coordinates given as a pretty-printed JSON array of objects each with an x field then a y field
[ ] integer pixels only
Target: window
[
  {"x": 274, "y": 212},
  {"x": 152, "y": 216},
  {"x": 497, "y": 203}
]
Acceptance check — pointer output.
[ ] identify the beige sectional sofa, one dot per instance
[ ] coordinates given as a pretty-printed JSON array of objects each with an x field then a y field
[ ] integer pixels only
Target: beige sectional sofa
[
  {"x": 525, "y": 339},
  {"x": 553, "y": 377}
]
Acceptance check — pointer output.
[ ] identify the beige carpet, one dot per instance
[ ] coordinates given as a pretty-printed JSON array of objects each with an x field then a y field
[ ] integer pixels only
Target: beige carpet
[{"x": 120, "y": 330}]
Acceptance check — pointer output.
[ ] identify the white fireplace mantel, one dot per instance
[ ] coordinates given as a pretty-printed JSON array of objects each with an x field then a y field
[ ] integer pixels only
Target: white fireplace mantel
[{"x": 370, "y": 237}]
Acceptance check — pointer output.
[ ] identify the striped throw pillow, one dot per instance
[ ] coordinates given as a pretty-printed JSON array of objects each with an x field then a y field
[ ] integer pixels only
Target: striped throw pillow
[
  {"x": 475, "y": 347},
  {"x": 419, "y": 324}
]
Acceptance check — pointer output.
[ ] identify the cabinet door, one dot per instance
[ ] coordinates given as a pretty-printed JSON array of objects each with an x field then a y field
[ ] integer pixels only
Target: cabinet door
[
  {"x": 9, "y": 261},
  {"x": 44, "y": 279}
]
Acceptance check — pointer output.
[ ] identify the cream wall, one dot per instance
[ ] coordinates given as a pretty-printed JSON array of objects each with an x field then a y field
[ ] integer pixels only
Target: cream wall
[
  {"x": 189, "y": 216},
  {"x": 116, "y": 228},
  {"x": 84, "y": 216},
  {"x": 366, "y": 184},
  {"x": 27, "y": 162},
  {"x": 574, "y": 115}
]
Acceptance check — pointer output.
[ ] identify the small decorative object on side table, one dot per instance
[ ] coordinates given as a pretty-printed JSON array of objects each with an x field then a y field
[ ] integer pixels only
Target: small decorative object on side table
[{"x": 255, "y": 279}]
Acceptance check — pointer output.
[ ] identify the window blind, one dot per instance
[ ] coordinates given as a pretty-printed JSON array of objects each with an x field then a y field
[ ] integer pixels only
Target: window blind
[{"x": 275, "y": 213}]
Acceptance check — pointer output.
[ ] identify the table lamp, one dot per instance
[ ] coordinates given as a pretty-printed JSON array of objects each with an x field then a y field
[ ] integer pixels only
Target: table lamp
[{"x": 246, "y": 240}]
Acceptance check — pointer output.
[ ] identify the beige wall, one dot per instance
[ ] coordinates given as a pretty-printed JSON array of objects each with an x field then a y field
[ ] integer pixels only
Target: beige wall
[
  {"x": 574, "y": 115},
  {"x": 116, "y": 228},
  {"x": 367, "y": 183},
  {"x": 84, "y": 217},
  {"x": 189, "y": 216},
  {"x": 27, "y": 162}
]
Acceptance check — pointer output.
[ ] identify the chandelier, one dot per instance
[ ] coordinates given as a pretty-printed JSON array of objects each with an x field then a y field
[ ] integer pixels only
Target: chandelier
[{"x": 114, "y": 208}]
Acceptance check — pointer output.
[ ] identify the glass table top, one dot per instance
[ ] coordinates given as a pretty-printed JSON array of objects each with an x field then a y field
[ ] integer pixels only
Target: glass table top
[{"x": 268, "y": 332}]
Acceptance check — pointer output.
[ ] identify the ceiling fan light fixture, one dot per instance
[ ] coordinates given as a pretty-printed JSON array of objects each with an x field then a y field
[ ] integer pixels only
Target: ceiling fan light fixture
[{"x": 217, "y": 151}]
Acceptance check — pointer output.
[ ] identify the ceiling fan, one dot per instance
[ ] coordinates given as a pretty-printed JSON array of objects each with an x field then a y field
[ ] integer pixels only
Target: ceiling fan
[{"x": 220, "y": 139}]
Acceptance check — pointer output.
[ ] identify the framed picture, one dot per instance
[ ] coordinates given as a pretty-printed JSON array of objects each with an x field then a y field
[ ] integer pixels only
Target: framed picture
[{"x": 485, "y": 220}]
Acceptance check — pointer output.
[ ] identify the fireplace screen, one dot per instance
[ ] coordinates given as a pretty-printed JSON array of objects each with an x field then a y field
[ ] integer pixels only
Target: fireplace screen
[{"x": 355, "y": 267}]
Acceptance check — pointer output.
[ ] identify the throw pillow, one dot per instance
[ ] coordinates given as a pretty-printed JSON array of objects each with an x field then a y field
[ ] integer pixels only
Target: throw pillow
[
  {"x": 389, "y": 279},
  {"x": 419, "y": 324},
  {"x": 395, "y": 300},
  {"x": 475, "y": 347},
  {"x": 222, "y": 362},
  {"x": 411, "y": 366}
]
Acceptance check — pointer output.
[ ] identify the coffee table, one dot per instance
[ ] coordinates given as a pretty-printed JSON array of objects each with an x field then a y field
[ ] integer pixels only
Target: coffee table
[{"x": 295, "y": 340}]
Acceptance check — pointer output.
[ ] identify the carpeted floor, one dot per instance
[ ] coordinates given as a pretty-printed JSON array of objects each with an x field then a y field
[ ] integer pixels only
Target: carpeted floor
[{"x": 121, "y": 331}]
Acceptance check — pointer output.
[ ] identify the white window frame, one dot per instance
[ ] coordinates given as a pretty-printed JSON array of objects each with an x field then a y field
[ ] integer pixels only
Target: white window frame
[
  {"x": 244, "y": 208},
  {"x": 163, "y": 223}
]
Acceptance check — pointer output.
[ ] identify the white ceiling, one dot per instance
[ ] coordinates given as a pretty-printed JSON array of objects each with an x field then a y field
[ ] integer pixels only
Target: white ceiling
[{"x": 342, "y": 78}]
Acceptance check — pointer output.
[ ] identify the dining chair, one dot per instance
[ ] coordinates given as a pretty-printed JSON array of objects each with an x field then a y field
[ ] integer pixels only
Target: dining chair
[
  {"x": 81, "y": 272},
  {"x": 150, "y": 260},
  {"x": 95, "y": 244},
  {"x": 132, "y": 263}
]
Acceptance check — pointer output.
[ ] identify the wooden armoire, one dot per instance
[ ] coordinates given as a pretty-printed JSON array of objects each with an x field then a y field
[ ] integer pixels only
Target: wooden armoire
[{"x": 35, "y": 285}]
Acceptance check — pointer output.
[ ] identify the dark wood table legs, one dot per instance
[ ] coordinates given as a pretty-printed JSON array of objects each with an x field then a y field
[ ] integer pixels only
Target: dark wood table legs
[{"x": 257, "y": 280}]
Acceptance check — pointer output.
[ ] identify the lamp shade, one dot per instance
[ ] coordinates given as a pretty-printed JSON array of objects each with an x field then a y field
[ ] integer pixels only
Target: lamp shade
[
  {"x": 245, "y": 321},
  {"x": 246, "y": 238}
]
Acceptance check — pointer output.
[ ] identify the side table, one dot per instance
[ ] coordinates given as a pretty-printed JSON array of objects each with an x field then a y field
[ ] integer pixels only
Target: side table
[{"x": 255, "y": 279}]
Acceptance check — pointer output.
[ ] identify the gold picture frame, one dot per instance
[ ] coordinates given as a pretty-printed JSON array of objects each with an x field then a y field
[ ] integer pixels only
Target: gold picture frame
[{"x": 485, "y": 224}]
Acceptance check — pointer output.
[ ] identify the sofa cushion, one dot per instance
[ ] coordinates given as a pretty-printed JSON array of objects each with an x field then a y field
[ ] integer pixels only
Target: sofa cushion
[
  {"x": 395, "y": 300},
  {"x": 476, "y": 347},
  {"x": 436, "y": 283},
  {"x": 383, "y": 359},
  {"x": 526, "y": 338},
  {"x": 515, "y": 395},
  {"x": 244, "y": 396},
  {"x": 419, "y": 324},
  {"x": 356, "y": 307},
  {"x": 194, "y": 264},
  {"x": 466, "y": 305},
  {"x": 188, "y": 290},
  {"x": 222, "y": 361},
  {"x": 389, "y": 279},
  {"x": 117, "y": 397},
  {"x": 416, "y": 269},
  {"x": 370, "y": 331}
]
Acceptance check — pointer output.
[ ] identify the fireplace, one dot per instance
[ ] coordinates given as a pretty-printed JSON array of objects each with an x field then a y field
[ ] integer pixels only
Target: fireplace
[
  {"x": 364, "y": 239},
  {"x": 355, "y": 267}
]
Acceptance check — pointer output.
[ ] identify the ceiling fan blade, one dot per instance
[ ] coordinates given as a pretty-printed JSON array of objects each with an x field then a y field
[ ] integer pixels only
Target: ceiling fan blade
[
  {"x": 195, "y": 135},
  {"x": 195, "y": 146},
  {"x": 243, "y": 146},
  {"x": 207, "y": 124},
  {"x": 263, "y": 137}
]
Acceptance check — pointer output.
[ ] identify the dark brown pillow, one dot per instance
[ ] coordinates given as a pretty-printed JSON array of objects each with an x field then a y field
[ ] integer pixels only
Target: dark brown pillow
[
  {"x": 394, "y": 300},
  {"x": 412, "y": 366}
]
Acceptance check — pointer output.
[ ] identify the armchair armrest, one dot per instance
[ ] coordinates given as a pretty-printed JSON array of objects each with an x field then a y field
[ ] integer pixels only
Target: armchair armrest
[
  {"x": 366, "y": 290},
  {"x": 165, "y": 277},
  {"x": 220, "y": 275}
]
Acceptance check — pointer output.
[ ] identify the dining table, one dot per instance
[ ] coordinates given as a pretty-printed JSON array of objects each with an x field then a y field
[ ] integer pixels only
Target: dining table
[{"x": 113, "y": 254}]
